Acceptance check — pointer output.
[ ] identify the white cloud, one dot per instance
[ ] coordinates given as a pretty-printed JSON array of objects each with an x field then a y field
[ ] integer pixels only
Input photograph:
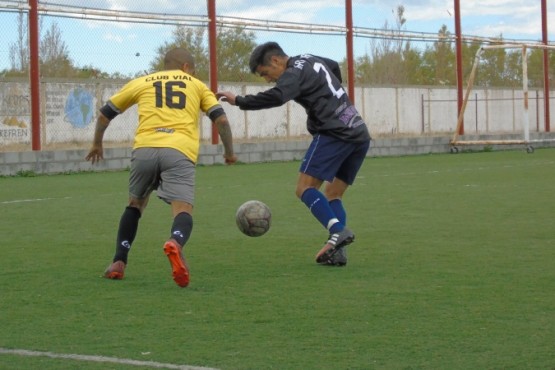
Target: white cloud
[
  {"x": 487, "y": 18},
  {"x": 113, "y": 38}
]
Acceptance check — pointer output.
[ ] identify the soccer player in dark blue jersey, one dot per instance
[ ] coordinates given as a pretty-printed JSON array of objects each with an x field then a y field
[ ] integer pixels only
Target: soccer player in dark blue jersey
[{"x": 340, "y": 137}]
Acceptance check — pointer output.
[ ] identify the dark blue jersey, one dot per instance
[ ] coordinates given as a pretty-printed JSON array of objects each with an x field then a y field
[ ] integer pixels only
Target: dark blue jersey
[{"x": 314, "y": 83}]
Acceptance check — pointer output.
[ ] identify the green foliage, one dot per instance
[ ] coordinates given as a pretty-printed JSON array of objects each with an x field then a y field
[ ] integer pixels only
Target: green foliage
[
  {"x": 54, "y": 54},
  {"x": 396, "y": 61},
  {"x": 390, "y": 60},
  {"x": 234, "y": 46},
  {"x": 451, "y": 269},
  {"x": 438, "y": 61},
  {"x": 29, "y": 173},
  {"x": 191, "y": 39},
  {"x": 53, "y": 51}
]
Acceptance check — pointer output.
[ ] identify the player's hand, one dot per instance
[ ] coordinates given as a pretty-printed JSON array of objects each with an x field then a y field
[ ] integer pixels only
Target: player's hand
[
  {"x": 230, "y": 159},
  {"x": 95, "y": 154},
  {"x": 226, "y": 96}
]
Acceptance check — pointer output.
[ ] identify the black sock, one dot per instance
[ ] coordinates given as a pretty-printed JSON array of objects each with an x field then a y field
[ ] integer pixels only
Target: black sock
[
  {"x": 127, "y": 231},
  {"x": 182, "y": 228}
]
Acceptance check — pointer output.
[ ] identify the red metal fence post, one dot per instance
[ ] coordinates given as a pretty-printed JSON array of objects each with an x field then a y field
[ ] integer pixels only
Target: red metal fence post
[
  {"x": 545, "y": 40},
  {"x": 213, "y": 65},
  {"x": 458, "y": 45},
  {"x": 349, "y": 37},
  {"x": 34, "y": 73}
]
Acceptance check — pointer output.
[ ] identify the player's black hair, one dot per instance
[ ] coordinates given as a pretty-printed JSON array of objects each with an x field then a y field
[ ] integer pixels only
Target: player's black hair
[{"x": 262, "y": 53}]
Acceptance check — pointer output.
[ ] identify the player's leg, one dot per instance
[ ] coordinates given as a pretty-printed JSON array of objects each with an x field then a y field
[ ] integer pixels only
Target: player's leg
[
  {"x": 128, "y": 226},
  {"x": 308, "y": 192},
  {"x": 321, "y": 162},
  {"x": 142, "y": 181},
  {"x": 334, "y": 192},
  {"x": 177, "y": 188},
  {"x": 339, "y": 235},
  {"x": 181, "y": 230},
  {"x": 317, "y": 166},
  {"x": 182, "y": 226}
]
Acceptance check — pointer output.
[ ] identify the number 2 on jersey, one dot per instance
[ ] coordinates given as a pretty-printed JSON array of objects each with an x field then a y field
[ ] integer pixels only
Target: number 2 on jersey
[
  {"x": 174, "y": 99},
  {"x": 320, "y": 67}
]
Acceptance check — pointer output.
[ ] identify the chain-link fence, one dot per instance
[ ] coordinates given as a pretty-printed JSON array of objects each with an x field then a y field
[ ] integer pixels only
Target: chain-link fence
[{"x": 405, "y": 81}]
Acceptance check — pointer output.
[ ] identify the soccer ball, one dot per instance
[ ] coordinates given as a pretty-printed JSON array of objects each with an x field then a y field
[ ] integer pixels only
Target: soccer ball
[{"x": 253, "y": 218}]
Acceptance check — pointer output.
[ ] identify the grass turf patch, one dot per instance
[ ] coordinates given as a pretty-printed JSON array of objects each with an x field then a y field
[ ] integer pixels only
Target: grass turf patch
[{"x": 452, "y": 267}]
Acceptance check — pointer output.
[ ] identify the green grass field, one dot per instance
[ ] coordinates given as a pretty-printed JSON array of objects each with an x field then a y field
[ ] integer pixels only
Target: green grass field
[{"x": 453, "y": 268}]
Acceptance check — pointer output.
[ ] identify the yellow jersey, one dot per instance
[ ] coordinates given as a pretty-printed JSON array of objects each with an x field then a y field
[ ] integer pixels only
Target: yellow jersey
[{"x": 169, "y": 104}]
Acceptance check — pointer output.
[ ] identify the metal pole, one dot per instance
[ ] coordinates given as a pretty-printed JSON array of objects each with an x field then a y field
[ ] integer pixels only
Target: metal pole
[
  {"x": 34, "y": 73},
  {"x": 422, "y": 121},
  {"x": 349, "y": 37},
  {"x": 467, "y": 94},
  {"x": 545, "y": 40},
  {"x": 537, "y": 112},
  {"x": 525, "y": 117},
  {"x": 213, "y": 62},
  {"x": 458, "y": 44},
  {"x": 476, "y": 110}
]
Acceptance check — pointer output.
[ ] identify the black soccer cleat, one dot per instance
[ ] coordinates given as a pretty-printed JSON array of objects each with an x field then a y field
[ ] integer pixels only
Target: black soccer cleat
[
  {"x": 336, "y": 242},
  {"x": 338, "y": 259}
]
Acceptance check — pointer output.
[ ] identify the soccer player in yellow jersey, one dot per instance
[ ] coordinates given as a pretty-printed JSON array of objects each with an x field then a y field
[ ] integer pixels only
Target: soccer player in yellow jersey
[{"x": 164, "y": 153}]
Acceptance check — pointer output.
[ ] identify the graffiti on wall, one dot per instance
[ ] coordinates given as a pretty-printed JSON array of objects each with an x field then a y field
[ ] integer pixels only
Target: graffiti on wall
[
  {"x": 69, "y": 111},
  {"x": 75, "y": 106},
  {"x": 64, "y": 113},
  {"x": 79, "y": 107},
  {"x": 14, "y": 115}
]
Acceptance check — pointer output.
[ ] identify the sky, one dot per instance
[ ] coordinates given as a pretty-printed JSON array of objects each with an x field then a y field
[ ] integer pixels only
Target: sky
[{"x": 129, "y": 48}]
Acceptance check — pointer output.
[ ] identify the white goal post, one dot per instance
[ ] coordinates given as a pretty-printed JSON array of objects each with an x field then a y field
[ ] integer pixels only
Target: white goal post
[{"x": 525, "y": 117}]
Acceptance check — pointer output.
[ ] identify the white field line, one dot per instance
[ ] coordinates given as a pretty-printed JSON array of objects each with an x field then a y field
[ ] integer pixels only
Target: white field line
[
  {"x": 30, "y": 200},
  {"x": 114, "y": 360}
]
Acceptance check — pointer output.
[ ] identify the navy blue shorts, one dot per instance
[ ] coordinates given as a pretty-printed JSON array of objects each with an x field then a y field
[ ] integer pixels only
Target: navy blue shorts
[{"x": 328, "y": 157}]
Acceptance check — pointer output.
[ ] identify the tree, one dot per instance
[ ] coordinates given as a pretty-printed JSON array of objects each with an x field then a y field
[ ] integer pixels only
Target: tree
[
  {"x": 492, "y": 66},
  {"x": 234, "y": 46},
  {"x": 413, "y": 67},
  {"x": 19, "y": 51},
  {"x": 54, "y": 55},
  {"x": 535, "y": 67},
  {"x": 53, "y": 52},
  {"x": 439, "y": 60},
  {"x": 191, "y": 39},
  {"x": 467, "y": 57},
  {"x": 363, "y": 69},
  {"x": 391, "y": 60}
]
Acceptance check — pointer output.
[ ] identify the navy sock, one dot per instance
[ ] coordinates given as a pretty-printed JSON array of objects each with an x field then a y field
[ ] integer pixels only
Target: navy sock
[
  {"x": 337, "y": 208},
  {"x": 182, "y": 228},
  {"x": 320, "y": 208},
  {"x": 127, "y": 231}
]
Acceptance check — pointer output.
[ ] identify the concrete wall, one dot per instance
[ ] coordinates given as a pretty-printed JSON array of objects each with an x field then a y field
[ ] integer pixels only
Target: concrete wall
[
  {"x": 425, "y": 116},
  {"x": 69, "y": 109},
  {"x": 64, "y": 161}
]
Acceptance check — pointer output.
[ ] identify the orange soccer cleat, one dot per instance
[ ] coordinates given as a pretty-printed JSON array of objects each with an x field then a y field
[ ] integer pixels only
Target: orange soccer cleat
[
  {"x": 115, "y": 271},
  {"x": 180, "y": 271}
]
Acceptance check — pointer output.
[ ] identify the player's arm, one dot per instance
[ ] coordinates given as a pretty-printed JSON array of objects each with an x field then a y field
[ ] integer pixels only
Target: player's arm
[
  {"x": 106, "y": 114},
  {"x": 266, "y": 99},
  {"x": 287, "y": 88},
  {"x": 219, "y": 118}
]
